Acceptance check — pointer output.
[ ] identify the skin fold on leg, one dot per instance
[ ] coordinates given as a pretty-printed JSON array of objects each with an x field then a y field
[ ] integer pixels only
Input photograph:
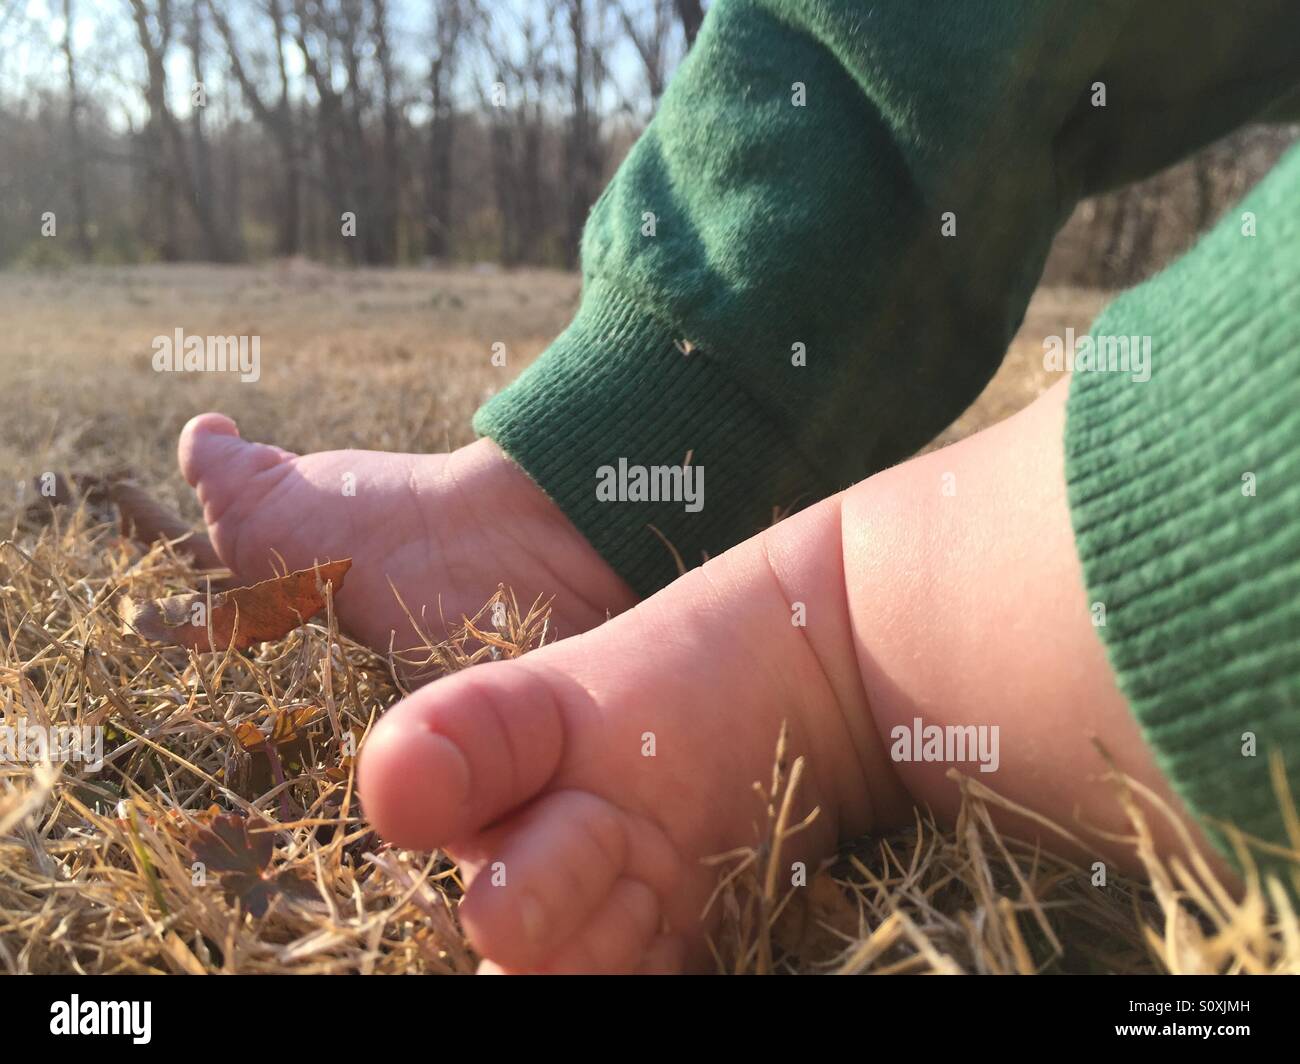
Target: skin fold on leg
[{"x": 969, "y": 608}]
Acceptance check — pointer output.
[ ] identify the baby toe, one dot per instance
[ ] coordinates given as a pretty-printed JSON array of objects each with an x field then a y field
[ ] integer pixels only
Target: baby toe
[
  {"x": 554, "y": 870},
  {"x": 616, "y": 937}
]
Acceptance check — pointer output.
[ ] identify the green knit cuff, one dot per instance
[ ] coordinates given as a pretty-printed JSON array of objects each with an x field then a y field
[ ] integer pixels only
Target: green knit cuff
[
  {"x": 620, "y": 392},
  {"x": 1185, "y": 499}
]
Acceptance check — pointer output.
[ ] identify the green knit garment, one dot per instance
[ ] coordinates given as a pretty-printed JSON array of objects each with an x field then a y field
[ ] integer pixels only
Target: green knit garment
[
  {"x": 818, "y": 252},
  {"x": 1185, "y": 498},
  {"x": 796, "y": 181}
]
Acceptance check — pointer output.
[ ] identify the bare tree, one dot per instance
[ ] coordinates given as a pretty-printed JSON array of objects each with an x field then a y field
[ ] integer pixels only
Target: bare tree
[
  {"x": 516, "y": 127},
  {"x": 316, "y": 37},
  {"x": 450, "y": 20},
  {"x": 78, "y": 163},
  {"x": 346, "y": 32},
  {"x": 388, "y": 184},
  {"x": 232, "y": 155},
  {"x": 160, "y": 192},
  {"x": 276, "y": 118},
  {"x": 650, "y": 39},
  {"x": 691, "y": 14},
  {"x": 167, "y": 160},
  {"x": 202, "y": 157},
  {"x": 582, "y": 148}
]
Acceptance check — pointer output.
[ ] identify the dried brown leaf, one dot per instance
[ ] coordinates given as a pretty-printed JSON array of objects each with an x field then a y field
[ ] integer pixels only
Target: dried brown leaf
[{"x": 240, "y": 617}]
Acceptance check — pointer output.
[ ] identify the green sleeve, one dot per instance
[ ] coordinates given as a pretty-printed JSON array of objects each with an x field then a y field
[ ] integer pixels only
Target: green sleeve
[
  {"x": 794, "y": 201},
  {"x": 1185, "y": 497}
]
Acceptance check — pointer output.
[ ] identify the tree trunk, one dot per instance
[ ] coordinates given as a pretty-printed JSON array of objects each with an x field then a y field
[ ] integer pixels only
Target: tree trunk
[
  {"x": 691, "y": 14},
  {"x": 167, "y": 141},
  {"x": 76, "y": 154},
  {"x": 580, "y": 148},
  {"x": 202, "y": 164},
  {"x": 442, "y": 130},
  {"x": 389, "y": 191}
]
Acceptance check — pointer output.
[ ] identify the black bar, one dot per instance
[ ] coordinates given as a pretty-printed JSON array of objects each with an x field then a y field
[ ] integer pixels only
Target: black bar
[{"x": 239, "y": 1017}]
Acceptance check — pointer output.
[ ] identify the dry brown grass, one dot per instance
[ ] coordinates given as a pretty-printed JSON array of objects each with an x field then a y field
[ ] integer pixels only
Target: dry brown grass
[
  {"x": 96, "y": 872},
  {"x": 95, "y": 868},
  {"x": 384, "y": 360}
]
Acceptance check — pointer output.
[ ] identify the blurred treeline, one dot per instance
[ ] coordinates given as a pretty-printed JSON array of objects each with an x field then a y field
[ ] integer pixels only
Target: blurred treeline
[
  {"x": 228, "y": 130},
  {"x": 1117, "y": 240},
  {"x": 455, "y": 130}
]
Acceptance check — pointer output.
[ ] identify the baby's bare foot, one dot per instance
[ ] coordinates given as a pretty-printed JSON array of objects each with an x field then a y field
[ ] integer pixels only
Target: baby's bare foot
[
  {"x": 580, "y": 786},
  {"x": 445, "y": 529}
]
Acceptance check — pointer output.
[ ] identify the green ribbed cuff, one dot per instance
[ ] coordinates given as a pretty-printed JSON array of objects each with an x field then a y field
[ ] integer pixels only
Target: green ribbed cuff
[
  {"x": 1185, "y": 499},
  {"x": 616, "y": 385}
]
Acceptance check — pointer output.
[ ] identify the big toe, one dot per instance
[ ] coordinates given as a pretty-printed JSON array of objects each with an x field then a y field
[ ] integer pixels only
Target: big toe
[
  {"x": 460, "y": 753},
  {"x": 217, "y": 462},
  {"x": 202, "y": 440}
]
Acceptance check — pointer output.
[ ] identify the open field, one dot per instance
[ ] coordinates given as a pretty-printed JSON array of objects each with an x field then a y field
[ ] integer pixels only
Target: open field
[
  {"x": 95, "y": 870},
  {"x": 385, "y": 360},
  {"x": 389, "y": 360}
]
